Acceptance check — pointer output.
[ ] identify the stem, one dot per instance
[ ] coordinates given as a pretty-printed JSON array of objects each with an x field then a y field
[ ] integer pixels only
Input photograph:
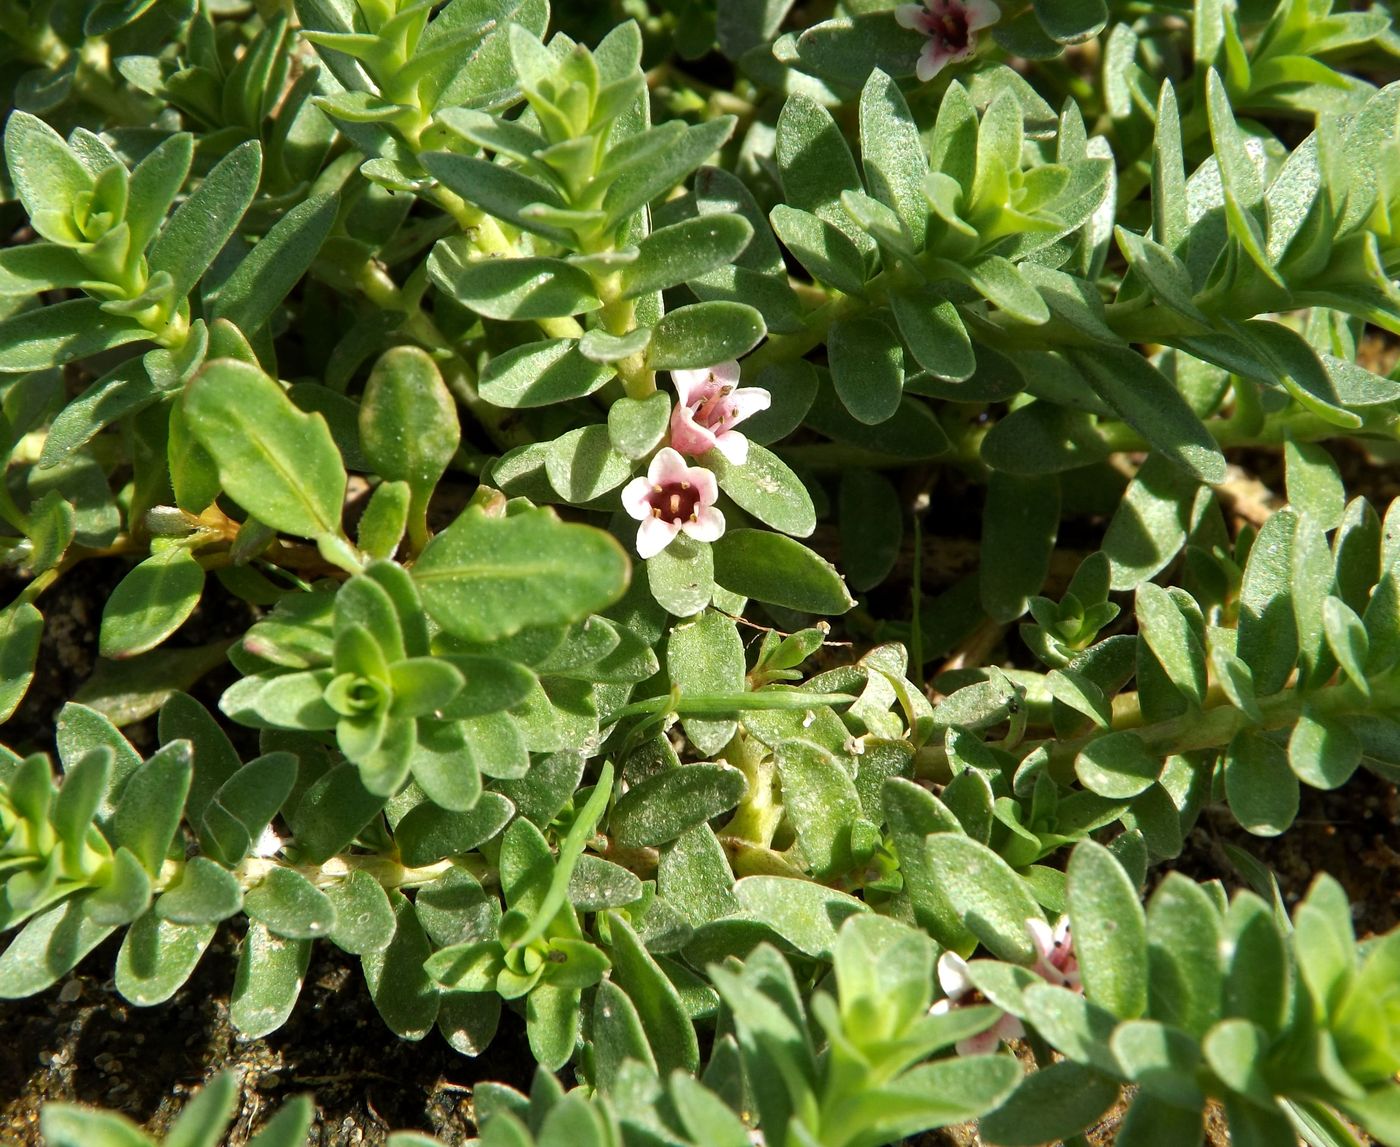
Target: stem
[
  {"x": 386, "y": 870},
  {"x": 757, "y": 818},
  {"x": 1211, "y": 727}
]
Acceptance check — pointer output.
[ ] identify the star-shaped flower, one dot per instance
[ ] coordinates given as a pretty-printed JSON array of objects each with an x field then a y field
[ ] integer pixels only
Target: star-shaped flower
[
  {"x": 671, "y": 499},
  {"x": 711, "y": 404},
  {"x": 951, "y": 27}
]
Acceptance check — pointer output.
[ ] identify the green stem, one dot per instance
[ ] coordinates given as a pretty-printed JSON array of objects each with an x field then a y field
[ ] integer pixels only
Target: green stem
[
  {"x": 1212, "y": 727},
  {"x": 760, "y": 812}
]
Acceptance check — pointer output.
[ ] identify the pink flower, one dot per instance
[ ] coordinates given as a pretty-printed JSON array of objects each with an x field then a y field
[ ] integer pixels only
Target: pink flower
[
  {"x": 673, "y": 497},
  {"x": 1055, "y": 959},
  {"x": 709, "y": 408},
  {"x": 1055, "y": 963},
  {"x": 959, "y": 991},
  {"x": 951, "y": 27}
]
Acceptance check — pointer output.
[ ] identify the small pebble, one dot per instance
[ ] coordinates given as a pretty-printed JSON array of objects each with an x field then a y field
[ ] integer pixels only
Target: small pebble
[{"x": 70, "y": 991}]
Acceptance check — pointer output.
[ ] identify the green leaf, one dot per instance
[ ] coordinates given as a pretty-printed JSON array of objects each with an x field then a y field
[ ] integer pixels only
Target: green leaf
[
  {"x": 682, "y": 576},
  {"x": 582, "y": 464},
  {"x": 1163, "y": 1060},
  {"x": 289, "y": 905},
  {"x": 67, "y": 1125},
  {"x": 541, "y": 373},
  {"x": 125, "y": 895},
  {"x": 892, "y": 155},
  {"x": 813, "y": 158},
  {"x": 62, "y": 333},
  {"x": 204, "y": 893},
  {"x": 637, "y": 425},
  {"x": 820, "y": 799},
  {"x": 806, "y": 914},
  {"x": 993, "y": 901},
  {"x": 1072, "y": 21},
  {"x": 204, "y": 222},
  {"x": 872, "y": 527},
  {"x": 1053, "y": 1103},
  {"x": 706, "y": 656},
  {"x": 867, "y": 367},
  {"x": 828, "y": 253},
  {"x": 155, "y": 182},
  {"x": 1110, "y": 931},
  {"x": 276, "y": 462},
  {"x": 1117, "y": 765},
  {"x": 1002, "y": 284},
  {"x": 151, "y": 602},
  {"x": 46, "y": 174},
  {"x": 1150, "y": 525},
  {"x": 1323, "y": 751},
  {"x": 767, "y": 488},
  {"x": 429, "y": 833},
  {"x": 771, "y": 568},
  {"x": 157, "y": 956},
  {"x": 671, "y": 803},
  {"x": 1145, "y": 399},
  {"x": 703, "y": 334},
  {"x": 485, "y": 578},
  {"x": 644, "y": 175},
  {"x": 152, "y": 804},
  {"x": 501, "y": 191},
  {"x": 1314, "y": 486},
  {"x": 515, "y": 289},
  {"x": 408, "y": 420},
  {"x": 1261, "y": 787},
  {"x": 663, "y": 1015},
  {"x": 684, "y": 251},
  {"x": 269, "y": 271},
  {"x": 1173, "y": 641},
  {"x": 47, "y": 947},
  {"x": 268, "y": 981},
  {"x": 21, "y": 630},
  {"x": 933, "y": 329},
  {"x": 1257, "y": 978},
  {"x": 1184, "y": 956},
  {"x": 1268, "y": 633}
]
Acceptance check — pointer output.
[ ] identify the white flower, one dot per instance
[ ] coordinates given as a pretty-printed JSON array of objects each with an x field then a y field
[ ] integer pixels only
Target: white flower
[
  {"x": 1055, "y": 963},
  {"x": 958, "y": 989},
  {"x": 951, "y": 27},
  {"x": 710, "y": 405},
  {"x": 671, "y": 499},
  {"x": 1055, "y": 959}
]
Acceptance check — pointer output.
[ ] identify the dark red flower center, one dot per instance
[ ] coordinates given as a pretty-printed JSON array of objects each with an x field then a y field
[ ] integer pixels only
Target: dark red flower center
[
  {"x": 950, "y": 31},
  {"x": 674, "y": 501}
]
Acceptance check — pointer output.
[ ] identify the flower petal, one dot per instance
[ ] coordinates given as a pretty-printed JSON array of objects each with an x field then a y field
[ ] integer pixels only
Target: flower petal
[
  {"x": 748, "y": 401},
  {"x": 705, "y": 485},
  {"x": 708, "y": 525},
  {"x": 653, "y": 536},
  {"x": 634, "y": 499},
  {"x": 911, "y": 16},
  {"x": 932, "y": 60},
  {"x": 980, "y": 14},
  {"x": 734, "y": 446},
  {"x": 1041, "y": 936},
  {"x": 687, "y": 435},
  {"x": 691, "y": 385},
  {"x": 952, "y": 976},
  {"x": 666, "y": 467}
]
